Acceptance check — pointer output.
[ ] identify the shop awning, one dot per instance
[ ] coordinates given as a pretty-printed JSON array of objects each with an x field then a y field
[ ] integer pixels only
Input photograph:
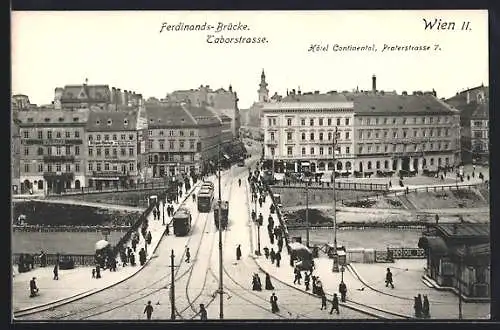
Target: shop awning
[{"x": 436, "y": 245}]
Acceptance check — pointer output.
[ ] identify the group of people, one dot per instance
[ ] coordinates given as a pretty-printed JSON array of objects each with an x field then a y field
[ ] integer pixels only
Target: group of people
[
  {"x": 422, "y": 307},
  {"x": 257, "y": 285}
]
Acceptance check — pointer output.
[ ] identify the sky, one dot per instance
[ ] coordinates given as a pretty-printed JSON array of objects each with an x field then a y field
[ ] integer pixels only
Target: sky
[{"x": 127, "y": 50}]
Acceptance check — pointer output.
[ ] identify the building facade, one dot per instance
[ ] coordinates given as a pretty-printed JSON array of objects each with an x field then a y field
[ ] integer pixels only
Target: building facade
[
  {"x": 15, "y": 154},
  {"x": 114, "y": 147},
  {"x": 480, "y": 134},
  {"x": 299, "y": 136},
  {"x": 53, "y": 149}
]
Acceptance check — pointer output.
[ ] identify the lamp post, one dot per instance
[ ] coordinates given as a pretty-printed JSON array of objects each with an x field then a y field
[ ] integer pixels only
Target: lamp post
[
  {"x": 307, "y": 213},
  {"x": 221, "y": 292},
  {"x": 342, "y": 270},
  {"x": 335, "y": 267},
  {"x": 163, "y": 213},
  {"x": 172, "y": 286}
]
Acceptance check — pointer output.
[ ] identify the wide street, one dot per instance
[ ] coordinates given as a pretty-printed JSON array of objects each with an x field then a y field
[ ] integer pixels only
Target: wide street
[{"x": 197, "y": 282}]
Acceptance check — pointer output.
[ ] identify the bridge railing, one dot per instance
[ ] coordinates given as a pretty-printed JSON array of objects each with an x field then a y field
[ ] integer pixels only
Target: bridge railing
[
  {"x": 93, "y": 190},
  {"x": 78, "y": 259}
]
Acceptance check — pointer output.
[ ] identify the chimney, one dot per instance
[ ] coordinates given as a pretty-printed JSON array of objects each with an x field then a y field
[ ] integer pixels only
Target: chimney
[
  {"x": 125, "y": 97},
  {"x": 112, "y": 98},
  {"x": 374, "y": 84}
]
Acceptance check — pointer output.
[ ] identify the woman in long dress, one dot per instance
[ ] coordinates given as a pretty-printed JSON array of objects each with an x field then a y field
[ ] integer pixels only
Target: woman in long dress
[{"x": 269, "y": 285}]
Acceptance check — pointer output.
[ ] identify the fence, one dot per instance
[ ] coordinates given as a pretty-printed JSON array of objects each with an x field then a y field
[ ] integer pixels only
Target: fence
[
  {"x": 47, "y": 229},
  {"x": 439, "y": 188},
  {"x": 393, "y": 253},
  {"x": 78, "y": 259},
  {"x": 117, "y": 189},
  {"x": 340, "y": 186}
]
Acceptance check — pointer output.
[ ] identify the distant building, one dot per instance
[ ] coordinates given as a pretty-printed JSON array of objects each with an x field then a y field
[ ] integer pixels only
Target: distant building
[
  {"x": 458, "y": 254},
  {"x": 114, "y": 147},
  {"x": 53, "y": 150},
  {"x": 94, "y": 97},
  {"x": 467, "y": 102},
  {"x": 15, "y": 153},
  {"x": 20, "y": 102},
  {"x": 480, "y": 133},
  {"x": 181, "y": 139}
]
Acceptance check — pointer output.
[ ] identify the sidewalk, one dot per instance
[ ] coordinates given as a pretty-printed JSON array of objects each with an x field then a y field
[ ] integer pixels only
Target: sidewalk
[
  {"x": 391, "y": 303},
  {"x": 78, "y": 282}
]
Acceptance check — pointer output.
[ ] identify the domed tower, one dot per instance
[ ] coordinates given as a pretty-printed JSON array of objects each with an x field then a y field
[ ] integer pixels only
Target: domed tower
[{"x": 263, "y": 91}]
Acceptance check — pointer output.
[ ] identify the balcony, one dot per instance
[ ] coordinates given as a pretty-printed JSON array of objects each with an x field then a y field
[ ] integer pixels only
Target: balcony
[
  {"x": 58, "y": 158},
  {"x": 58, "y": 175},
  {"x": 107, "y": 174},
  {"x": 111, "y": 156},
  {"x": 271, "y": 143}
]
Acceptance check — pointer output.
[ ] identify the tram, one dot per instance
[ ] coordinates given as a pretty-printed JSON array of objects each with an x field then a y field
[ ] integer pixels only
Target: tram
[
  {"x": 182, "y": 222},
  {"x": 224, "y": 207},
  {"x": 205, "y": 199}
]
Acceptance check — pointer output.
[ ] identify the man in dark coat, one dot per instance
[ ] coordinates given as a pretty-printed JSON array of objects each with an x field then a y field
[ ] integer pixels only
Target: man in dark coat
[
  {"x": 148, "y": 310},
  {"x": 149, "y": 237},
  {"x": 142, "y": 257},
  {"x": 274, "y": 303},
  {"x": 388, "y": 279},
  {"x": 335, "y": 304},
  {"x": 272, "y": 255},
  {"x": 56, "y": 272},
  {"x": 33, "y": 288},
  {"x": 307, "y": 279},
  {"x": 343, "y": 291},
  {"x": 43, "y": 259},
  {"x": 278, "y": 259},
  {"x": 97, "y": 271},
  {"x": 132, "y": 259},
  {"x": 238, "y": 252}
]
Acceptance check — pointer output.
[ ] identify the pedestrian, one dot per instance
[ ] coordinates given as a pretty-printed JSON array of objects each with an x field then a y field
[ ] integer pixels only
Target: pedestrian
[
  {"x": 142, "y": 257},
  {"x": 93, "y": 272},
  {"x": 278, "y": 259},
  {"x": 343, "y": 291},
  {"x": 43, "y": 259},
  {"x": 132, "y": 259},
  {"x": 148, "y": 310},
  {"x": 307, "y": 279},
  {"x": 203, "y": 313},
  {"x": 416, "y": 306},
  {"x": 188, "y": 255},
  {"x": 256, "y": 286},
  {"x": 266, "y": 252},
  {"x": 271, "y": 235},
  {"x": 419, "y": 305},
  {"x": 154, "y": 214},
  {"x": 298, "y": 276},
  {"x": 260, "y": 202},
  {"x": 426, "y": 308},
  {"x": 56, "y": 272},
  {"x": 323, "y": 302},
  {"x": 269, "y": 285},
  {"x": 149, "y": 237},
  {"x": 238, "y": 252},
  {"x": 134, "y": 244},
  {"x": 335, "y": 304},
  {"x": 33, "y": 288},
  {"x": 194, "y": 198},
  {"x": 272, "y": 254},
  {"x": 274, "y": 303},
  {"x": 388, "y": 279},
  {"x": 97, "y": 271}
]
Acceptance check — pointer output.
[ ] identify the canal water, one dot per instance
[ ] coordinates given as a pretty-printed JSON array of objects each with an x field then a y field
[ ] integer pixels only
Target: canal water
[{"x": 375, "y": 238}]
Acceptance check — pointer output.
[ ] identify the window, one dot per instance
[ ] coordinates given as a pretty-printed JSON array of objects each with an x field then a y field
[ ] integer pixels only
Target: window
[
  {"x": 68, "y": 168},
  {"x": 329, "y": 136},
  {"x": 269, "y": 122},
  {"x": 330, "y": 150},
  {"x": 150, "y": 132},
  {"x": 124, "y": 168},
  {"x": 68, "y": 150},
  {"x": 191, "y": 145},
  {"x": 49, "y": 135},
  {"x": 91, "y": 151},
  {"x": 131, "y": 137},
  {"x": 77, "y": 150},
  {"x": 272, "y": 151},
  {"x": 377, "y": 148},
  {"x": 414, "y": 133},
  {"x": 181, "y": 144},
  {"x": 122, "y": 136},
  {"x": 26, "y": 168},
  {"x": 40, "y": 151},
  {"x": 404, "y": 123},
  {"x": 303, "y": 136},
  {"x": 90, "y": 167},
  {"x": 311, "y": 122},
  {"x": 162, "y": 145},
  {"x": 171, "y": 144},
  {"x": 170, "y": 133},
  {"x": 40, "y": 167},
  {"x": 26, "y": 134},
  {"x": 106, "y": 137},
  {"x": 360, "y": 150},
  {"x": 26, "y": 151},
  {"x": 49, "y": 167},
  {"x": 289, "y": 136},
  {"x": 312, "y": 151},
  {"x": 377, "y": 164},
  {"x": 130, "y": 151},
  {"x": 312, "y": 136},
  {"x": 395, "y": 134},
  {"x": 115, "y": 152},
  {"x": 405, "y": 133},
  {"x": 303, "y": 151},
  {"x": 321, "y": 122},
  {"x": 303, "y": 122},
  {"x": 58, "y": 150},
  {"x": 376, "y": 121},
  {"x": 338, "y": 121},
  {"x": 98, "y": 137},
  {"x": 123, "y": 151},
  {"x": 58, "y": 135},
  {"x": 321, "y": 136},
  {"x": 98, "y": 151},
  {"x": 376, "y": 134},
  {"x": 170, "y": 157},
  {"x": 271, "y": 136},
  {"x": 385, "y": 120},
  {"x": 131, "y": 166},
  {"x": 98, "y": 167},
  {"x": 49, "y": 151},
  {"x": 431, "y": 119},
  {"x": 161, "y": 133},
  {"x": 393, "y": 121},
  {"x": 106, "y": 151},
  {"x": 423, "y": 122},
  {"x": 360, "y": 134},
  {"x": 369, "y": 149},
  {"x": 368, "y": 134},
  {"x": 181, "y": 133},
  {"x": 289, "y": 151},
  {"x": 115, "y": 137},
  {"x": 67, "y": 134},
  {"x": 40, "y": 135},
  {"x": 347, "y": 150},
  {"x": 274, "y": 121},
  {"x": 321, "y": 150},
  {"x": 329, "y": 121},
  {"x": 191, "y": 133},
  {"x": 77, "y": 134},
  {"x": 289, "y": 122},
  {"x": 106, "y": 166},
  {"x": 58, "y": 167}
]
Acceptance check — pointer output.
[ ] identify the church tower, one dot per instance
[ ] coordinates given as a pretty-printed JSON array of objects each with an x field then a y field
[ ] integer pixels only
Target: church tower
[{"x": 263, "y": 91}]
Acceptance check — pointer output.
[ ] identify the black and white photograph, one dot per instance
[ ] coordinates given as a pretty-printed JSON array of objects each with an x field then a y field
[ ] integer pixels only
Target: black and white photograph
[{"x": 250, "y": 165}]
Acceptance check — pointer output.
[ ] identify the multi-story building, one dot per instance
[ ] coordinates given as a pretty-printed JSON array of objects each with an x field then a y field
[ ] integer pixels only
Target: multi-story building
[
  {"x": 181, "y": 138},
  {"x": 378, "y": 131},
  {"x": 114, "y": 141},
  {"x": 52, "y": 149},
  {"x": 99, "y": 97},
  {"x": 20, "y": 102},
  {"x": 15, "y": 153},
  {"x": 480, "y": 133},
  {"x": 299, "y": 134}
]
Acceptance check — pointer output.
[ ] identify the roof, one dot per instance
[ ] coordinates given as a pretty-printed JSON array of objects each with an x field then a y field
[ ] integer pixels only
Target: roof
[
  {"x": 397, "y": 104},
  {"x": 171, "y": 115},
  {"x": 474, "y": 250},
  {"x": 464, "y": 229},
  {"x": 307, "y": 106},
  {"x": 73, "y": 93},
  {"x": 106, "y": 121},
  {"x": 481, "y": 112},
  {"x": 202, "y": 115},
  {"x": 329, "y": 97},
  {"x": 50, "y": 117},
  {"x": 436, "y": 244}
]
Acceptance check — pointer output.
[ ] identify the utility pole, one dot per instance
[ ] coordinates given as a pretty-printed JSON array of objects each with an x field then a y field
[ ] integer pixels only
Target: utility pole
[
  {"x": 221, "y": 289},
  {"x": 172, "y": 285},
  {"x": 459, "y": 280},
  {"x": 307, "y": 213},
  {"x": 335, "y": 267}
]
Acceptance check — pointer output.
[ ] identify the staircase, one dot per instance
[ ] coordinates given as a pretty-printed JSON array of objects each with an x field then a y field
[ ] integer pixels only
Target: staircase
[{"x": 406, "y": 203}]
